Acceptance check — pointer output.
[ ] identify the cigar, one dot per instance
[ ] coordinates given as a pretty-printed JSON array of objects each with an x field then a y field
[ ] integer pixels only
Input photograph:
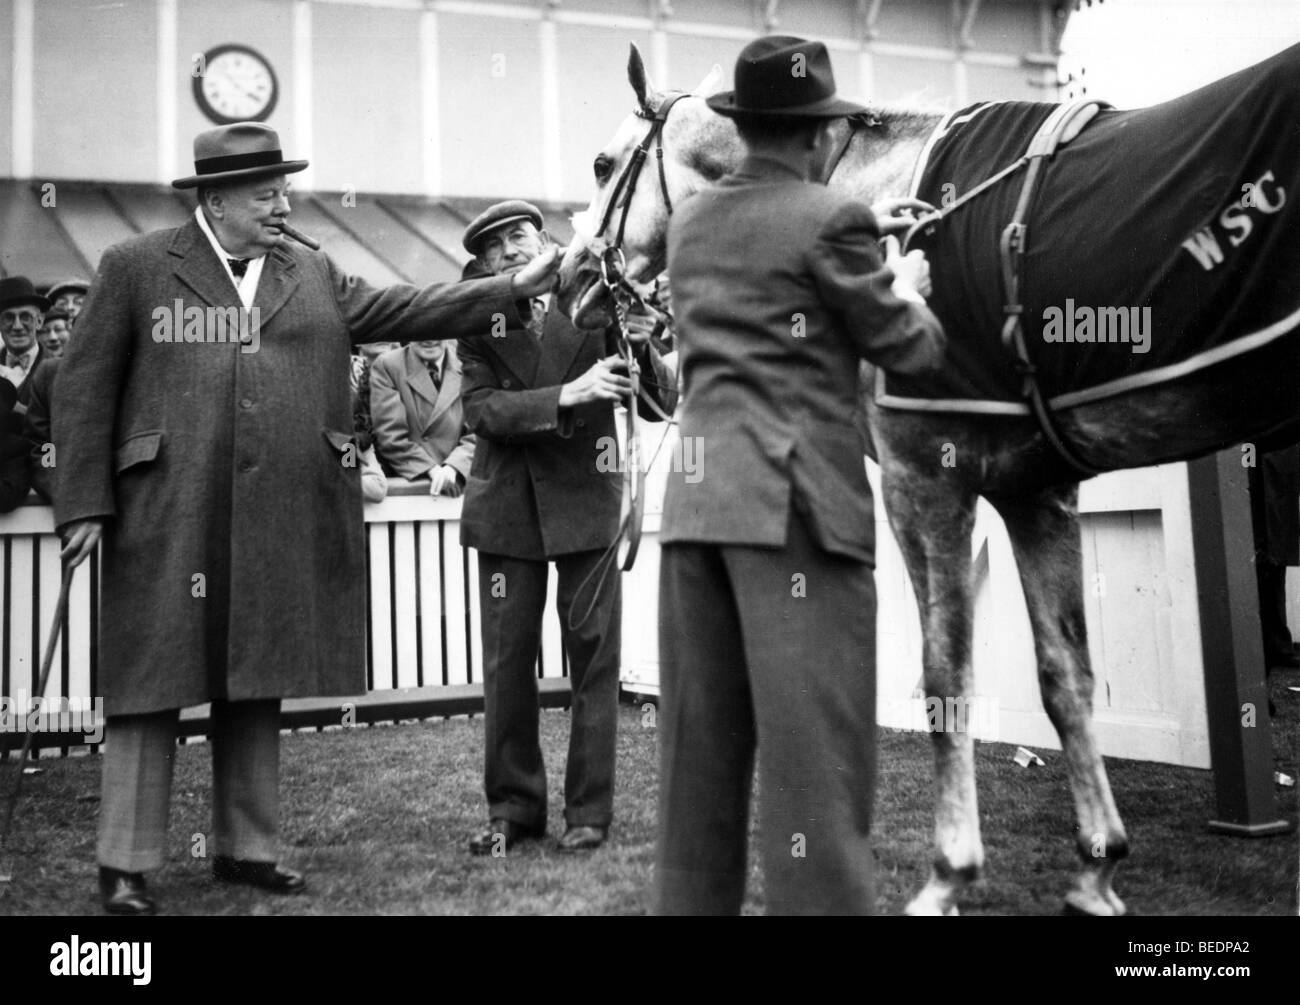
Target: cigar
[{"x": 299, "y": 236}]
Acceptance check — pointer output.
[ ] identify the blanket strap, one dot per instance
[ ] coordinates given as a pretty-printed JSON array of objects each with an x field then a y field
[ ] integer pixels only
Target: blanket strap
[{"x": 1059, "y": 128}]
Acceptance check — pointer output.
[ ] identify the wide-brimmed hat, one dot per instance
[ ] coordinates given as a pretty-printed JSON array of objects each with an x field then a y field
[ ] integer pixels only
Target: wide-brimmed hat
[
  {"x": 498, "y": 216},
  {"x": 18, "y": 290},
  {"x": 65, "y": 286},
  {"x": 780, "y": 76},
  {"x": 237, "y": 152}
]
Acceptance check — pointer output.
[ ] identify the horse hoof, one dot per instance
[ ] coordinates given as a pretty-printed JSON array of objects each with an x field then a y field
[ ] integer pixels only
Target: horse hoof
[{"x": 1092, "y": 907}]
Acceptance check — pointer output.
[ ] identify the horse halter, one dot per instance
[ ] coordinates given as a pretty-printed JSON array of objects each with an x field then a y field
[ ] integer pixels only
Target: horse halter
[{"x": 613, "y": 273}]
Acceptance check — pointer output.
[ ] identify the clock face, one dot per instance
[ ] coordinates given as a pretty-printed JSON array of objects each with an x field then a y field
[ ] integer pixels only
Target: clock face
[{"x": 235, "y": 85}]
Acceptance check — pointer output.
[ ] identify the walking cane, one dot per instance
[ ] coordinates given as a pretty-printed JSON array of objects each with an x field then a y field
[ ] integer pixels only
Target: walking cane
[{"x": 60, "y": 614}]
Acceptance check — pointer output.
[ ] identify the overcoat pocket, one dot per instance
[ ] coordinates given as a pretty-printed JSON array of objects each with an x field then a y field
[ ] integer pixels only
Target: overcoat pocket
[{"x": 137, "y": 449}]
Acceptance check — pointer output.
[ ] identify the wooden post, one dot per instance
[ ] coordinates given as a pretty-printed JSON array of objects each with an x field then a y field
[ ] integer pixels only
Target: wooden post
[{"x": 1236, "y": 694}]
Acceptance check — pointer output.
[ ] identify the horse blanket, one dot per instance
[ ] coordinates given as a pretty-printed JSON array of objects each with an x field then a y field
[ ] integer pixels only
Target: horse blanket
[{"x": 1159, "y": 241}]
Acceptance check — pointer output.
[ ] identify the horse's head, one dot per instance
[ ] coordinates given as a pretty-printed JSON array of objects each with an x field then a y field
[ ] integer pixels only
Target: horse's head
[{"x": 697, "y": 146}]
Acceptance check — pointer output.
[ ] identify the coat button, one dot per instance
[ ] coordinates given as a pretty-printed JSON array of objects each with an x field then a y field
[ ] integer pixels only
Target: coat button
[
  {"x": 505, "y": 383},
  {"x": 246, "y": 403},
  {"x": 245, "y": 465},
  {"x": 582, "y": 422}
]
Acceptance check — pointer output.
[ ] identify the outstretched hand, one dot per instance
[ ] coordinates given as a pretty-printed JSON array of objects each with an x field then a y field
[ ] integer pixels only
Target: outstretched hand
[{"x": 538, "y": 276}]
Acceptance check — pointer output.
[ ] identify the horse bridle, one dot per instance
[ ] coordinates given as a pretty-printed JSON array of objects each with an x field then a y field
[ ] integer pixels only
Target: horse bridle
[{"x": 613, "y": 273}]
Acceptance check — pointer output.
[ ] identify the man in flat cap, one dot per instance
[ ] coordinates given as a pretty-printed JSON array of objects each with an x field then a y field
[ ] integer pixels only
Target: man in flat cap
[
  {"x": 68, "y": 295},
  {"x": 766, "y": 597},
  {"x": 204, "y": 431},
  {"x": 541, "y": 402}
]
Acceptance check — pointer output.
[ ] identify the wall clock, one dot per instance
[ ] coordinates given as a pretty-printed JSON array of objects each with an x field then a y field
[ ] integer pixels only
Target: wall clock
[{"x": 235, "y": 84}]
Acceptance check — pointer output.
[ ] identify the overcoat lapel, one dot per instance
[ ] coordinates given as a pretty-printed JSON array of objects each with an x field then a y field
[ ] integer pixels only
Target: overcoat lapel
[
  {"x": 520, "y": 351},
  {"x": 561, "y": 343},
  {"x": 278, "y": 283},
  {"x": 199, "y": 269}
]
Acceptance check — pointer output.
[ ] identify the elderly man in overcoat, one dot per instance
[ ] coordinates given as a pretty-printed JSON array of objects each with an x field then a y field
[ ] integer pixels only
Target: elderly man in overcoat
[
  {"x": 217, "y": 461},
  {"x": 766, "y": 597},
  {"x": 541, "y": 403}
]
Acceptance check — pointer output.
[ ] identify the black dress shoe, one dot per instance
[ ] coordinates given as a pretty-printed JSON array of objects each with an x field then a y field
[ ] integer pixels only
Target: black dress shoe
[
  {"x": 264, "y": 875},
  {"x": 582, "y": 839},
  {"x": 502, "y": 835},
  {"x": 124, "y": 892}
]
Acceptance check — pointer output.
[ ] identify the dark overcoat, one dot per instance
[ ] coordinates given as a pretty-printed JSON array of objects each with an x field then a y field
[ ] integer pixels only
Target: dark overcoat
[
  {"x": 542, "y": 483},
  {"x": 233, "y": 555}
]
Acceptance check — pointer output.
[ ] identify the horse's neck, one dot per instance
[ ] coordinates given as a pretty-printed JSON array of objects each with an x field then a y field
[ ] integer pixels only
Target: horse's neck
[{"x": 880, "y": 160}]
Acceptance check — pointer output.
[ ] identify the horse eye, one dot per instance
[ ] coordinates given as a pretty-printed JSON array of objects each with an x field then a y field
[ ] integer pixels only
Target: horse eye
[{"x": 601, "y": 168}]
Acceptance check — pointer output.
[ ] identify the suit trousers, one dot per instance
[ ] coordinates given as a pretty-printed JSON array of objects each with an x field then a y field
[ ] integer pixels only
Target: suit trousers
[
  {"x": 512, "y": 601},
  {"x": 770, "y": 649},
  {"x": 138, "y": 759}
]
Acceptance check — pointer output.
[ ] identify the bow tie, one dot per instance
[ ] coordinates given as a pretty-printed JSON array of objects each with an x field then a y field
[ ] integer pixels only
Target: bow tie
[{"x": 239, "y": 266}]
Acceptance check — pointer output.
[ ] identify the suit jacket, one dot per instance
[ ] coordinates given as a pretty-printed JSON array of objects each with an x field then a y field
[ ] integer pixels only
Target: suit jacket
[
  {"x": 779, "y": 289},
  {"x": 416, "y": 426},
  {"x": 538, "y": 487},
  {"x": 36, "y": 425},
  {"x": 25, "y": 388},
  {"x": 233, "y": 556}
]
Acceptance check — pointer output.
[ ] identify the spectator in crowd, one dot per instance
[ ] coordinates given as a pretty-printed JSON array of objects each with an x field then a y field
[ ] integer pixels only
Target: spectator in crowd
[
  {"x": 68, "y": 295},
  {"x": 14, "y": 451},
  {"x": 226, "y": 470},
  {"x": 541, "y": 402},
  {"x": 55, "y": 329},
  {"x": 419, "y": 420},
  {"x": 36, "y": 428},
  {"x": 374, "y": 483},
  {"x": 21, "y": 312}
]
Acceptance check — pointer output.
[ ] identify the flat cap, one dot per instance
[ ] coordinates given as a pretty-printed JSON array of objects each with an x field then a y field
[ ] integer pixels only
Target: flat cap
[
  {"x": 67, "y": 286},
  {"x": 497, "y": 216}
]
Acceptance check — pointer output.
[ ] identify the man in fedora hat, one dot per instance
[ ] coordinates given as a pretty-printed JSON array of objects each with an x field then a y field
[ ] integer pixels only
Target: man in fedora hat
[
  {"x": 767, "y": 606},
  {"x": 22, "y": 311},
  {"x": 222, "y": 475},
  {"x": 541, "y": 403}
]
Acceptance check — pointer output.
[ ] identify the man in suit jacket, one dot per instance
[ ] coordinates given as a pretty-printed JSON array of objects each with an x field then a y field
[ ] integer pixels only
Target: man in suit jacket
[
  {"x": 204, "y": 430},
  {"x": 22, "y": 312},
  {"x": 767, "y": 604},
  {"x": 542, "y": 403},
  {"x": 418, "y": 418}
]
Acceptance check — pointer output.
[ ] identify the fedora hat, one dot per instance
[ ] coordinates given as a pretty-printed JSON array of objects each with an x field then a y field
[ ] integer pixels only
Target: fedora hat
[
  {"x": 780, "y": 76},
  {"x": 498, "y": 215},
  {"x": 18, "y": 290},
  {"x": 237, "y": 152}
]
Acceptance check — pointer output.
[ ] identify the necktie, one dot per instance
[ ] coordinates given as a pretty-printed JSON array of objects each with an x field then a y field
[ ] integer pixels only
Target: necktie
[
  {"x": 435, "y": 375},
  {"x": 538, "y": 320},
  {"x": 238, "y": 266}
]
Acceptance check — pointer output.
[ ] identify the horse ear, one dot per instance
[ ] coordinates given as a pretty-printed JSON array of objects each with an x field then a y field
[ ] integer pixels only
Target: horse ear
[
  {"x": 711, "y": 84},
  {"x": 636, "y": 76}
]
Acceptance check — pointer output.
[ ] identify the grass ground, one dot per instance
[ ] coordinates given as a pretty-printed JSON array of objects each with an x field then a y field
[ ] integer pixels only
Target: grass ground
[{"x": 378, "y": 818}]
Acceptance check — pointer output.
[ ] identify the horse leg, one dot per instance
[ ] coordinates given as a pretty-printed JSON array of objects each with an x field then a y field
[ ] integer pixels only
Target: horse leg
[
  {"x": 932, "y": 523},
  {"x": 1044, "y": 531}
]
